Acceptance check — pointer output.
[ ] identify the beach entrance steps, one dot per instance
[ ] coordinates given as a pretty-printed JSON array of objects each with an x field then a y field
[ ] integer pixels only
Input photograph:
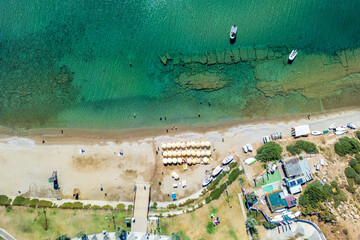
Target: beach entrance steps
[{"x": 141, "y": 207}]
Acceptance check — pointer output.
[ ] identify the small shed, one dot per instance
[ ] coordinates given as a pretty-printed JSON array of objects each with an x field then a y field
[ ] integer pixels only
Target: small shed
[{"x": 300, "y": 131}]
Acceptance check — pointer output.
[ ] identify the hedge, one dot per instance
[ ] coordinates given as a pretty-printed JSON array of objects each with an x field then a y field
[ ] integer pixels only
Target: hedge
[
  {"x": 172, "y": 205},
  {"x": 21, "y": 201},
  {"x": 302, "y": 145},
  {"x": 120, "y": 206},
  {"x": 87, "y": 206},
  {"x": 45, "y": 204},
  {"x": 130, "y": 207},
  {"x": 215, "y": 182},
  {"x": 68, "y": 205},
  {"x": 4, "y": 200},
  {"x": 107, "y": 207},
  {"x": 34, "y": 202},
  {"x": 233, "y": 176},
  {"x": 347, "y": 146},
  {"x": 95, "y": 207},
  {"x": 187, "y": 202}
]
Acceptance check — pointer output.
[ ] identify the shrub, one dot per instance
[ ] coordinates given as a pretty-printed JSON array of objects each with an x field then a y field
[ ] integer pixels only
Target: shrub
[
  {"x": 353, "y": 162},
  {"x": 21, "y": 201},
  {"x": 95, "y": 207},
  {"x": 62, "y": 237},
  {"x": 269, "y": 151},
  {"x": 216, "y": 193},
  {"x": 215, "y": 182},
  {"x": 8, "y": 209},
  {"x": 87, "y": 206},
  {"x": 233, "y": 176},
  {"x": 78, "y": 205},
  {"x": 232, "y": 165},
  {"x": 207, "y": 200},
  {"x": 268, "y": 225},
  {"x": 357, "y": 134},
  {"x": 300, "y": 146},
  {"x": 130, "y": 207},
  {"x": 34, "y": 202},
  {"x": 120, "y": 206},
  {"x": 357, "y": 179},
  {"x": 187, "y": 202},
  {"x": 4, "y": 200},
  {"x": 347, "y": 145},
  {"x": 200, "y": 205},
  {"x": 210, "y": 229},
  {"x": 350, "y": 172},
  {"x": 68, "y": 205},
  {"x": 357, "y": 167},
  {"x": 171, "y": 205},
  {"x": 107, "y": 207},
  {"x": 45, "y": 204}
]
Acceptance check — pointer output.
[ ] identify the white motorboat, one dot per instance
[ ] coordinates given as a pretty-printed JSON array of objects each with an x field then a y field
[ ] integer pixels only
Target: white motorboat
[
  {"x": 316, "y": 133},
  {"x": 292, "y": 55},
  {"x": 340, "y": 132},
  {"x": 233, "y": 32},
  {"x": 332, "y": 126},
  {"x": 228, "y": 159},
  {"x": 245, "y": 149},
  {"x": 351, "y": 126},
  {"x": 342, "y": 128},
  {"x": 207, "y": 181},
  {"x": 266, "y": 139},
  {"x": 217, "y": 170}
]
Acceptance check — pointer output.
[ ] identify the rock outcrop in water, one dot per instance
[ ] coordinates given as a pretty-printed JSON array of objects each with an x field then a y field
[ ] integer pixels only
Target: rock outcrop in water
[{"x": 201, "y": 81}]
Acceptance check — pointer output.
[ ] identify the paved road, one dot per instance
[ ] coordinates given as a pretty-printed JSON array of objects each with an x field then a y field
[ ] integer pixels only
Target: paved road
[
  {"x": 141, "y": 207},
  {"x": 6, "y": 235}
]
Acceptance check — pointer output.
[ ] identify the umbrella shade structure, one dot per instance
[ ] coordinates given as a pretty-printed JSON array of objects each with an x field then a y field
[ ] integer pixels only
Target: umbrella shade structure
[
  {"x": 183, "y": 153},
  {"x": 196, "y": 160},
  {"x": 106, "y": 237},
  {"x": 183, "y": 145},
  {"x": 208, "y": 153},
  {"x": 165, "y": 161},
  {"x": 188, "y": 153},
  {"x": 163, "y": 146},
  {"x": 188, "y": 144},
  {"x": 197, "y": 144},
  {"x": 206, "y": 160},
  {"x": 207, "y": 144},
  {"x": 189, "y": 161},
  {"x": 193, "y": 152},
  {"x": 193, "y": 144},
  {"x": 198, "y": 153},
  {"x": 169, "y": 154},
  {"x": 165, "y": 153},
  {"x": 202, "y": 144},
  {"x": 94, "y": 237},
  {"x": 203, "y": 153},
  {"x": 179, "y": 160},
  {"x": 178, "y": 144},
  {"x": 178, "y": 153},
  {"x": 168, "y": 146}
]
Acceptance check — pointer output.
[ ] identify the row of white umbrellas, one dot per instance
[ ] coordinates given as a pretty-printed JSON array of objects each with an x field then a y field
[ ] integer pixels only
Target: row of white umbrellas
[
  {"x": 185, "y": 160},
  {"x": 187, "y": 153},
  {"x": 187, "y": 144}
]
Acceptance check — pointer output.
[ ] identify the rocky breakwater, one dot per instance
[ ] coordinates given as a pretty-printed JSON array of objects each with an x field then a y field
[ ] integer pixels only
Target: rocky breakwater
[{"x": 202, "y": 81}]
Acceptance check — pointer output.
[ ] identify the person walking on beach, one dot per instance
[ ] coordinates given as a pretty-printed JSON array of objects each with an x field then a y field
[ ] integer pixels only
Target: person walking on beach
[
  {"x": 308, "y": 116},
  {"x": 209, "y": 103}
]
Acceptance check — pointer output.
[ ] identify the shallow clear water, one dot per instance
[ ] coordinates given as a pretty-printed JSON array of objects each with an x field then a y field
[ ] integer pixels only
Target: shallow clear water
[{"x": 66, "y": 63}]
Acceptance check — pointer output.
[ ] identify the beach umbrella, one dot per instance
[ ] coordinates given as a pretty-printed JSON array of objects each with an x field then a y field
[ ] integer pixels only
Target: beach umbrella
[
  {"x": 178, "y": 144},
  {"x": 203, "y": 153},
  {"x": 197, "y": 144},
  {"x": 188, "y": 144},
  {"x": 183, "y": 145},
  {"x": 208, "y": 153},
  {"x": 165, "y": 161},
  {"x": 163, "y": 146},
  {"x": 179, "y": 160},
  {"x": 178, "y": 153},
  {"x": 193, "y": 152},
  {"x": 206, "y": 160},
  {"x": 173, "y": 174},
  {"x": 207, "y": 144},
  {"x": 193, "y": 144},
  {"x": 189, "y": 161},
  {"x": 188, "y": 153},
  {"x": 198, "y": 153},
  {"x": 183, "y": 153},
  {"x": 174, "y": 161},
  {"x": 165, "y": 153},
  {"x": 168, "y": 145},
  {"x": 169, "y": 153},
  {"x": 202, "y": 143}
]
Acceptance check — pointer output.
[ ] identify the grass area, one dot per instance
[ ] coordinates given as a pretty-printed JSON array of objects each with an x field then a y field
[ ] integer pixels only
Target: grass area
[
  {"x": 200, "y": 218},
  {"x": 29, "y": 223},
  {"x": 272, "y": 178},
  {"x": 1, "y": 238}
]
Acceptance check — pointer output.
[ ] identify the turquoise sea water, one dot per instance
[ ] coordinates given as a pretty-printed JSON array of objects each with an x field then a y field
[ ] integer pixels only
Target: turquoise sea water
[{"x": 66, "y": 63}]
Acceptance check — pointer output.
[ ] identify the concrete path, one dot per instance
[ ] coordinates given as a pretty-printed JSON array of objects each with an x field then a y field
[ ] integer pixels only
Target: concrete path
[
  {"x": 297, "y": 230},
  {"x": 244, "y": 214},
  {"x": 6, "y": 235},
  {"x": 141, "y": 207}
]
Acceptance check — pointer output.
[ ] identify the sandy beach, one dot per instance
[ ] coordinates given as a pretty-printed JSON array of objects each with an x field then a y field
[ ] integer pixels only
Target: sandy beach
[{"x": 27, "y": 163}]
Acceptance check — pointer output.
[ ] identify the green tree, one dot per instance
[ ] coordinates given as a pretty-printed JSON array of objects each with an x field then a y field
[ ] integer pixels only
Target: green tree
[
  {"x": 357, "y": 168},
  {"x": 302, "y": 145},
  {"x": 81, "y": 235},
  {"x": 350, "y": 172},
  {"x": 62, "y": 237},
  {"x": 251, "y": 223},
  {"x": 353, "y": 162},
  {"x": 269, "y": 151}
]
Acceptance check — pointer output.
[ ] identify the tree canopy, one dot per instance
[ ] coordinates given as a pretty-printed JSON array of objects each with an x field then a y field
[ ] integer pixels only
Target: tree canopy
[
  {"x": 347, "y": 146},
  {"x": 300, "y": 146},
  {"x": 269, "y": 152}
]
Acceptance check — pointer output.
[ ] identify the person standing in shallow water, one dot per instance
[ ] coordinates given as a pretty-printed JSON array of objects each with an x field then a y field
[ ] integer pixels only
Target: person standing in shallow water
[{"x": 209, "y": 103}]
